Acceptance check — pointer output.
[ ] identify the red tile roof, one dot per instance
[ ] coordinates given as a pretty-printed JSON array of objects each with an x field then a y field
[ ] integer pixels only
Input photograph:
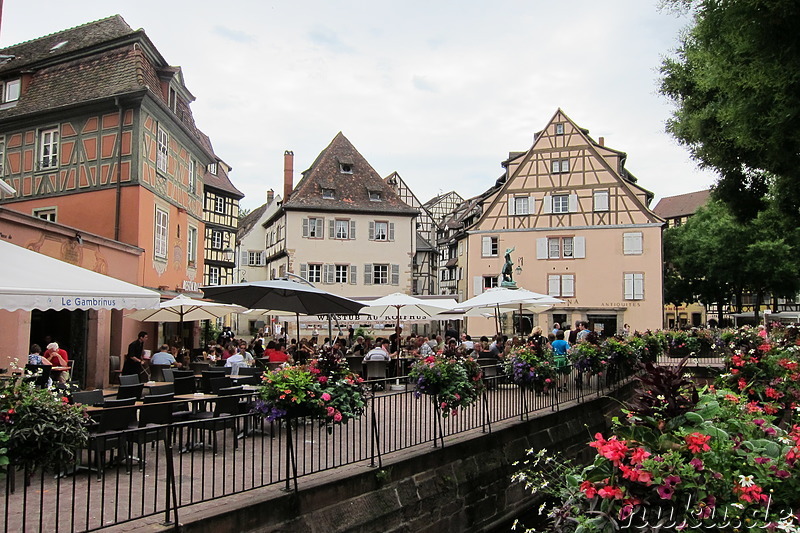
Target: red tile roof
[{"x": 681, "y": 205}]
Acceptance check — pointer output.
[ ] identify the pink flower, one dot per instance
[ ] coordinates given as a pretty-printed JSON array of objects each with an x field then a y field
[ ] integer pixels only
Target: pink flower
[
  {"x": 322, "y": 379},
  {"x": 639, "y": 455},
  {"x": 697, "y": 464},
  {"x": 330, "y": 410},
  {"x": 337, "y": 417},
  {"x": 326, "y": 397}
]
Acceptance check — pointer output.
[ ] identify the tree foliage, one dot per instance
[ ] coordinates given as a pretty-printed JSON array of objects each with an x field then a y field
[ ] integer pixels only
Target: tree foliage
[
  {"x": 714, "y": 256},
  {"x": 736, "y": 86}
]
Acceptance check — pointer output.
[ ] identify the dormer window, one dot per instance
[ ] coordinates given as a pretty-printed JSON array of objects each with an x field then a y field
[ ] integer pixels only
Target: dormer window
[
  {"x": 560, "y": 128},
  {"x": 328, "y": 194},
  {"x": 345, "y": 168},
  {"x": 212, "y": 168},
  {"x": 11, "y": 90},
  {"x": 375, "y": 196}
]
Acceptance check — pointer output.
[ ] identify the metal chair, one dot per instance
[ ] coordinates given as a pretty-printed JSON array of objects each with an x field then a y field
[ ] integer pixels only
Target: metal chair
[
  {"x": 185, "y": 385},
  {"x": 199, "y": 366},
  {"x": 159, "y": 390},
  {"x": 115, "y": 419},
  {"x": 154, "y": 416},
  {"x": 168, "y": 374},
  {"x": 130, "y": 391},
  {"x": 91, "y": 397},
  {"x": 157, "y": 372},
  {"x": 115, "y": 369},
  {"x": 129, "y": 379},
  {"x": 355, "y": 363},
  {"x": 249, "y": 371}
]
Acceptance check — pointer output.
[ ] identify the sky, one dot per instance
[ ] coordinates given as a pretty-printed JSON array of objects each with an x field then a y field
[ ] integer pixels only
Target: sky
[{"x": 439, "y": 91}]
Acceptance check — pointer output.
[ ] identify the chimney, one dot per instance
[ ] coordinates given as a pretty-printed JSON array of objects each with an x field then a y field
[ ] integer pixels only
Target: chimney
[
  {"x": 601, "y": 141},
  {"x": 288, "y": 174},
  {"x": 270, "y": 196}
]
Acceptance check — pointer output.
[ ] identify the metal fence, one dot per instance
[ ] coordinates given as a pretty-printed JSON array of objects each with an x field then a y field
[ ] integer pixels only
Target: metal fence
[{"x": 161, "y": 470}]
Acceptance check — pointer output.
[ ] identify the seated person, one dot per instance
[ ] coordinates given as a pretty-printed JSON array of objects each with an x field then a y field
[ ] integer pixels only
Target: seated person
[
  {"x": 280, "y": 355},
  {"x": 358, "y": 348},
  {"x": 55, "y": 355},
  {"x": 35, "y": 357},
  {"x": 164, "y": 357},
  {"x": 379, "y": 353}
]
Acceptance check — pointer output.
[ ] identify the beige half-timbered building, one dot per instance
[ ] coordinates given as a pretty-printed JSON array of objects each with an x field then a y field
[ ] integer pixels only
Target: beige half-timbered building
[{"x": 580, "y": 228}]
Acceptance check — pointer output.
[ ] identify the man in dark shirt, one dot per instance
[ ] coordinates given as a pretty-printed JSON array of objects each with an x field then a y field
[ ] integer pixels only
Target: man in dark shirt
[{"x": 135, "y": 355}]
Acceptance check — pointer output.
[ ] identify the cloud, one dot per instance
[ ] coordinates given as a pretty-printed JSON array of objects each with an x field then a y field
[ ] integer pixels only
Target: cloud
[
  {"x": 423, "y": 84},
  {"x": 329, "y": 39},
  {"x": 234, "y": 35}
]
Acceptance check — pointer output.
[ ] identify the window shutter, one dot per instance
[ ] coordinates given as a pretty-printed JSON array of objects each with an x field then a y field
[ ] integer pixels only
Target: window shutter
[
  {"x": 331, "y": 229},
  {"x": 305, "y": 227},
  {"x": 568, "y": 285},
  {"x": 632, "y": 243},
  {"x": 477, "y": 284},
  {"x": 629, "y": 286},
  {"x": 327, "y": 273},
  {"x": 486, "y": 246},
  {"x": 511, "y": 201},
  {"x": 391, "y": 231},
  {"x": 547, "y": 206},
  {"x": 573, "y": 203},
  {"x": 303, "y": 270},
  {"x": 601, "y": 200},
  {"x": 531, "y": 205},
  {"x": 244, "y": 258},
  {"x": 395, "y": 274},
  {"x": 353, "y": 274},
  {"x": 263, "y": 257},
  {"x": 554, "y": 285},
  {"x": 352, "y": 229},
  {"x": 541, "y": 248},
  {"x": 638, "y": 286},
  {"x": 372, "y": 231},
  {"x": 579, "y": 247},
  {"x": 368, "y": 273}
]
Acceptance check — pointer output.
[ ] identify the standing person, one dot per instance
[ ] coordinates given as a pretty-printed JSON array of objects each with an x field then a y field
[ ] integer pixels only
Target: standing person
[
  {"x": 537, "y": 341},
  {"x": 560, "y": 349},
  {"x": 583, "y": 332},
  {"x": 135, "y": 356},
  {"x": 556, "y": 327}
]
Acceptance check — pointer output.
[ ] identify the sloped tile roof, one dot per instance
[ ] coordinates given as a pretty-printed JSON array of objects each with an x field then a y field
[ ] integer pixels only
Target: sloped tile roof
[
  {"x": 249, "y": 221},
  {"x": 41, "y": 49},
  {"x": 351, "y": 190},
  {"x": 681, "y": 205}
]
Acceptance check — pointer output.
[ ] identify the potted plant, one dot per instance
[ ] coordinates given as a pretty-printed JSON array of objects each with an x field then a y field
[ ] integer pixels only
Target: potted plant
[
  {"x": 530, "y": 370},
  {"x": 451, "y": 382}
]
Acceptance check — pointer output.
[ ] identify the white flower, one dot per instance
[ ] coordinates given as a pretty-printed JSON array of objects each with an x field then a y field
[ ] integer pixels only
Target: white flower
[{"x": 746, "y": 481}]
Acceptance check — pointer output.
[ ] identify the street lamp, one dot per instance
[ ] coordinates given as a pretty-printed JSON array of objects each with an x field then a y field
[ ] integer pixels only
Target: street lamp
[{"x": 228, "y": 253}]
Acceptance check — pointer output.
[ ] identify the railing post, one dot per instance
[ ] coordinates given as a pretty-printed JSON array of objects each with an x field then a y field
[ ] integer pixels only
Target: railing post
[{"x": 171, "y": 489}]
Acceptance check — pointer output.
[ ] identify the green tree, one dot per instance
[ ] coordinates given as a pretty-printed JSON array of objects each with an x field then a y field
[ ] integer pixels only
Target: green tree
[{"x": 736, "y": 87}]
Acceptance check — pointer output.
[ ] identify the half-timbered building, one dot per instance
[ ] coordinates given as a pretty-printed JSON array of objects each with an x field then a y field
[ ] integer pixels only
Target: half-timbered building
[{"x": 578, "y": 227}]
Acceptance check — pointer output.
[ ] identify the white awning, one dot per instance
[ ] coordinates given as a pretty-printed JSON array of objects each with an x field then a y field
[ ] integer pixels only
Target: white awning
[{"x": 30, "y": 280}]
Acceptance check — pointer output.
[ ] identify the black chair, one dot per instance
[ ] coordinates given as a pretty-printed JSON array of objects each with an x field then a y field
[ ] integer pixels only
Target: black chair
[
  {"x": 129, "y": 379},
  {"x": 273, "y": 366},
  {"x": 115, "y": 369},
  {"x": 158, "y": 390},
  {"x": 261, "y": 363},
  {"x": 208, "y": 375},
  {"x": 168, "y": 374},
  {"x": 39, "y": 374},
  {"x": 249, "y": 380},
  {"x": 157, "y": 372},
  {"x": 222, "y": 418},
  {"x": 116, "y": 418},
  {"x": 489, "y": 368},
  {"x": 130, "y": 391},
  {"x": 92, "y": 397},
  {"x": 199, "y": 366},
  {"x": 355, "y": 363},
  {"x": 186, "y": 385},
  {"x": 376, "y": 370},
  {"x": 154, "y": 416},
  {"x": 181, "y": 373},
  {"x": 249, "y": 371},
  {"x": 218, "y": 383}
]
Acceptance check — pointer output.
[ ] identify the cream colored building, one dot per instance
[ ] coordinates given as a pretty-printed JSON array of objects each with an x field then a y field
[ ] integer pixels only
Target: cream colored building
[
  {"x": 342, "y": 227},
  {"x": 581, "y": 230}
]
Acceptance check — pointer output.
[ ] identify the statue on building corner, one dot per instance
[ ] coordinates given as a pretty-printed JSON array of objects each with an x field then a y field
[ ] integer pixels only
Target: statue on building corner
[{"x": 508, "y": 270}]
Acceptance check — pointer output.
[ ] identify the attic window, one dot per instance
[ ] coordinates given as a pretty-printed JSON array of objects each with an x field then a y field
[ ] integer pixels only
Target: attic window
[
  {"x": 375, "y": 196},
  {"x": 560, "y": 128},
  {"x": 328, "y": 194},
  {"x": 345, "y": 168},
  {"x": 212, "y": 168},
  {"x": 57, "y": 46}
]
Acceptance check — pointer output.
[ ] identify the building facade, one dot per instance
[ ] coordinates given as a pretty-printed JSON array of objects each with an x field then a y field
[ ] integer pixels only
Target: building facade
[{"x": 578, "y": 228}]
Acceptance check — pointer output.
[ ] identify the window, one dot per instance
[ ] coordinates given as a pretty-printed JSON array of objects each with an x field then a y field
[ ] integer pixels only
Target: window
[
  {"x": 380, "y": 274},
  {"x": 562, "y": 285},
  {"x": 522, "y": 205},
  {"x": 213, "y": 275},
  {"x": 632, "y": 243},
  {"x": 45, "y": 213},
  {"x": 340, "y": 273},
  {"x": 341, "y": 229},
  {"x": 212, "y": 168},
  {"x": 560, "y": 203},
  {"x": 328, "y": 194},
  {"x": 312, "y": 228},
  {"x": 314, "y": 273},
  {"x": 489, "y": 282},
  {"x": 561, "y": 248},
  {"x": 256, "y": 258},
  {"x": 191, "y": 246},
  {"x": 560, "y": 128},
  {"x": 161, "y": 233},
  {"x": 489, "y": 246},
  {"x": 11, "y": 90},
  {"x": 559, "y": 166},
  {"x": 600, "y": 200},
  {"x": 216, "y": 239},
  {"x": 192, "y": 181},
  {"x": 634, "y": 286},
  {"x": 375, "y": 196},
  {"x": 345, "y": 168},
  {"x": 219, "y": 204},
  {"x": 48, "y": 148},
  {"x": 381, "y": 231},
  {"x": 162, "y": 154}
]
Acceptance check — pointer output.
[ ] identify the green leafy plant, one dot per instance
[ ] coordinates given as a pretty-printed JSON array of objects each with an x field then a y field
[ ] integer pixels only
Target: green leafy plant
[
  {"x": 530, "y": 370},
  {"x": 453, "y": 382}
]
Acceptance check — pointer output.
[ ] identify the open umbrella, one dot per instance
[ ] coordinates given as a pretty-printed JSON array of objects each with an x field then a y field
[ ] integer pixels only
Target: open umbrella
[
  {"x": 502, "y": 299},
  {"x": 397, "y": 304}
]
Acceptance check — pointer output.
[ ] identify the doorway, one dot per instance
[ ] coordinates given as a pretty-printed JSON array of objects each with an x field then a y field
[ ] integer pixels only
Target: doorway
[
  {"x": 604, "y": 325},
  {"x": 68, "y": 329}
]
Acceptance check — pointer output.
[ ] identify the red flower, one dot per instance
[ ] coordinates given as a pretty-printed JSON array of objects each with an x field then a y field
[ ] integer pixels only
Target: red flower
[
  {"x": 697, "y": 442},
  {"x": 639, "y": 455},
  {"x": 588, "y": 488},
  {"x": 610, "y": 492},
  {"x": 614, "y": 450}
]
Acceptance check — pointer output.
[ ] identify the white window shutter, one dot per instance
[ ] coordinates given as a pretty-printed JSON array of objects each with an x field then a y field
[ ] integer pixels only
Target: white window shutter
[
  {"x": 305, "y": 227},
  {"x": 629, "y": 286},
  {"x": 601, "y": 200},
  {"x": 632, "y": 243},
  {"x": 352, "y": 229},
  {"x": 638, "y": 286},
  {"x": 395, "y": 274},
  {"x": 531, "y": 205},
  {"x": 547, "y": 206},
  {"x": 368, "y": 273},
  {"x": 303, "y": 270},
  {"x": 328, "y": 273},
  {"x": 541, "y": 248},
  {"x": 391, "y": 231},
  {"x": 486, "y": 246},
  {"x": 372, "y": 231},
  {"x": 554, "y": 285},
  {"x": 331, "y": 229},
  {"x": 477, "y": 284},
  {"x": 263, "y": 257},
  {"x": 573, "y": 203},
  {"x": 579, "y": 247},
  {"x": 244, "y": 258},
  {"x": 568, "y": 285},
  {"x": 511, "y": 201},
  {"x": 353, "y": 274}
]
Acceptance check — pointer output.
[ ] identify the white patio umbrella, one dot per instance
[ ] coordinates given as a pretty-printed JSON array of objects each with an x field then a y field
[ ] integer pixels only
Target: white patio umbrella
[
  {"x": 502, "y": 299},
  {"x": 185, "y": 309},
  {"x": 397, "y": 304}
]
